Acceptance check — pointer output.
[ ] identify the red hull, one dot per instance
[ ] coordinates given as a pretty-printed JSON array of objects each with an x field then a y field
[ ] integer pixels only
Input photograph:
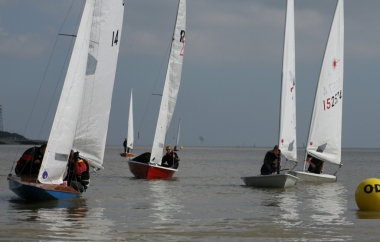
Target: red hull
[
  {"x": 146, "y": 171},
  {"x": 127, "y": 154}
]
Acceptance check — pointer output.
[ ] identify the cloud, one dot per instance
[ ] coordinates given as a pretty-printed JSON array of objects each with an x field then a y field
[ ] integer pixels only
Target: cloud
[{"x": 22, "y": 46}]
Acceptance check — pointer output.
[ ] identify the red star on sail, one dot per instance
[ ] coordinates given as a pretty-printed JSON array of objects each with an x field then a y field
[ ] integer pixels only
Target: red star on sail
[{"x": 335, "y": 63}]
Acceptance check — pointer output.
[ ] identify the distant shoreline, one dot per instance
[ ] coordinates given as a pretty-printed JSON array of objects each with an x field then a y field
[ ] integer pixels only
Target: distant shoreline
[{"x": 7, "y": 138}]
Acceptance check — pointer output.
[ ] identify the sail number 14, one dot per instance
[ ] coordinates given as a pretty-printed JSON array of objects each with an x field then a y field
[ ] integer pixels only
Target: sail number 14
[
  {"x": 332, "y": 101},
  {"x": 115, "y": 38}
]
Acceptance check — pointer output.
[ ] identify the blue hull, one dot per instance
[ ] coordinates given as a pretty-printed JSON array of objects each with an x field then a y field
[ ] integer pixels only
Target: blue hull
[{"x": 29, "y": 191}]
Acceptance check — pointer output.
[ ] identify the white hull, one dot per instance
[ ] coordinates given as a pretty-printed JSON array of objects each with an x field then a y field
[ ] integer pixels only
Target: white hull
[
  {"x": 270, "y": 181},
  {"x": 313, "y": 177}
]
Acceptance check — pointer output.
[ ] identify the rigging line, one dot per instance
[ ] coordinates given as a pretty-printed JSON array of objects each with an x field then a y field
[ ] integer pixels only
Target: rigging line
[
  {"x": 340, "y": 165},
  {"x": 162, "y": 63},
  {"x": 35, "y": 100}
]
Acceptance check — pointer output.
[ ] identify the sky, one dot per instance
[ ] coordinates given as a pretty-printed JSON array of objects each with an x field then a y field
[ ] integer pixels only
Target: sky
[{"x": 231, "y": 78}]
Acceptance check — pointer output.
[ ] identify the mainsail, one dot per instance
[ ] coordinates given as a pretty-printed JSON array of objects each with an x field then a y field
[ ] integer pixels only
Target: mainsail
[
  {"x": 91, "y": 130},
  {"x": 287, "y": 134},
  {"x": 325, "y": 134},
  {"x": 63, "y": 130},
  {"x": 81, "y": 119},
  {"x": 172, "y": 83}
]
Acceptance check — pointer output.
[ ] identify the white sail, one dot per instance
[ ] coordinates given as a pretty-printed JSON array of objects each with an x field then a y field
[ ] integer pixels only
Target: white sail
[
  {"x": 130, "y": 135},
  {"x": 172, "y": 83},
  {"x": 103, "y": 53},
  {"x": 287, "y": 134},
  {"x": 63, "y": 130},
  {"x": 326, "y": 123}
]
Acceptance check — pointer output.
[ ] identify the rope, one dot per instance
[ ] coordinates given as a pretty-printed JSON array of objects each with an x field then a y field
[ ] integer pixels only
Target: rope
[{"x": 340, "y": 165}]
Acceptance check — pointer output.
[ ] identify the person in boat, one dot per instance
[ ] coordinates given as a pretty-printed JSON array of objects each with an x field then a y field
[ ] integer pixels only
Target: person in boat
[
  {"x": 125, "y": 146},
  {"x": 170, "y": 159},
  {"x": 315, "y": 165},
  {"x": 271, "y": 157},
  {"x": 78, "y": 174},
  {"x": 30, "y": 161},
  {"x": 276, "y": 164}
]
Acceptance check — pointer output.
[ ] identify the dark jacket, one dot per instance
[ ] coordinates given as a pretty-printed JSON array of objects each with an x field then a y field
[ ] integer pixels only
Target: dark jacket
[
  {"x": 266, "y": 168},
  {"x": 26, "y": 165},
  {"x": 170, "y": 160},
  {"x": 317, "y": 163}
]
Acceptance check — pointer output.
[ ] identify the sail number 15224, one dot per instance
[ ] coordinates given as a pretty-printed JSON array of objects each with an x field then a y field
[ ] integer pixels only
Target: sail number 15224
[{"x": 332, "y": 101}]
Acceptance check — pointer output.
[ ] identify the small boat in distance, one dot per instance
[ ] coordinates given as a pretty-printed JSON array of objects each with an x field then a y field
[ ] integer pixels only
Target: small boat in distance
[
  {"x": 130, "y": 135},
  {"x": 81, "y": 119},
  {"x": 148, "y": 165},
  {"x": 325, "y": 133},
  {"x": 287, "y": 131}
]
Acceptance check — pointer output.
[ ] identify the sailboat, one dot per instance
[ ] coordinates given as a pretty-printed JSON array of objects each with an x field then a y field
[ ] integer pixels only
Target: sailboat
[
  {"x": 130, "y": 135},
  {"x": 82, "y": 115},
  {"x": 325, "y": 133},
  {"x": 148, "y": 166},
  {"x": 287, "y": 131}
]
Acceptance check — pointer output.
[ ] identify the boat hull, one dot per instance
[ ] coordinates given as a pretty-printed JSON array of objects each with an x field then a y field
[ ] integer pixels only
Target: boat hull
[
  {"x": 32, "y": 191},
  {"x": 304, "y": 176},
  {"x": 147, "y": 171},
  {"x": 270, "y": 181},
  {"x": 127, "y": 154}
]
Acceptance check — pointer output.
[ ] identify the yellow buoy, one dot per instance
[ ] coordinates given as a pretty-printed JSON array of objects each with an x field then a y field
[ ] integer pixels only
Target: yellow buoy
[{"x": 367, "y": 195}]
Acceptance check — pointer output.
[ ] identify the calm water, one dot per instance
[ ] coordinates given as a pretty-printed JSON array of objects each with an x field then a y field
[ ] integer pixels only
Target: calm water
[{"x": 207, "y": 201}]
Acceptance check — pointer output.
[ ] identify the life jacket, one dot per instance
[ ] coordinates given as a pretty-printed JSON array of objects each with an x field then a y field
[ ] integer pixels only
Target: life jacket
[
  {"x": 79, "y": 167},
  {"x": 85, "y": 177}
]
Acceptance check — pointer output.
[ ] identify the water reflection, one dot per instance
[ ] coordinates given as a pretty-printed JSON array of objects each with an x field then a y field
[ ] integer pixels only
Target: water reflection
[
  {"x": 286, "y": 202},
  {"x": 289, "y": 215},
  {"x": 165, "y": 203},
  {"x": 328, "y": 203},
  {"x": 66, "y": 220},
  {"x": 367, "y": 214}
]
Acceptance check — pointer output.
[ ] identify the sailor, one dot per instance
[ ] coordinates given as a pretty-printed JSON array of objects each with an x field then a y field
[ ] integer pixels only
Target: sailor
[
  {"x": 78, "y": 175},
  {"x": 30, "y": 161},
  {"x": 271, "y": 157},
  {"x": 170, "y": 159},
  {"x": 315, "y": 165},
  {"x": 125, "y": 145}
]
